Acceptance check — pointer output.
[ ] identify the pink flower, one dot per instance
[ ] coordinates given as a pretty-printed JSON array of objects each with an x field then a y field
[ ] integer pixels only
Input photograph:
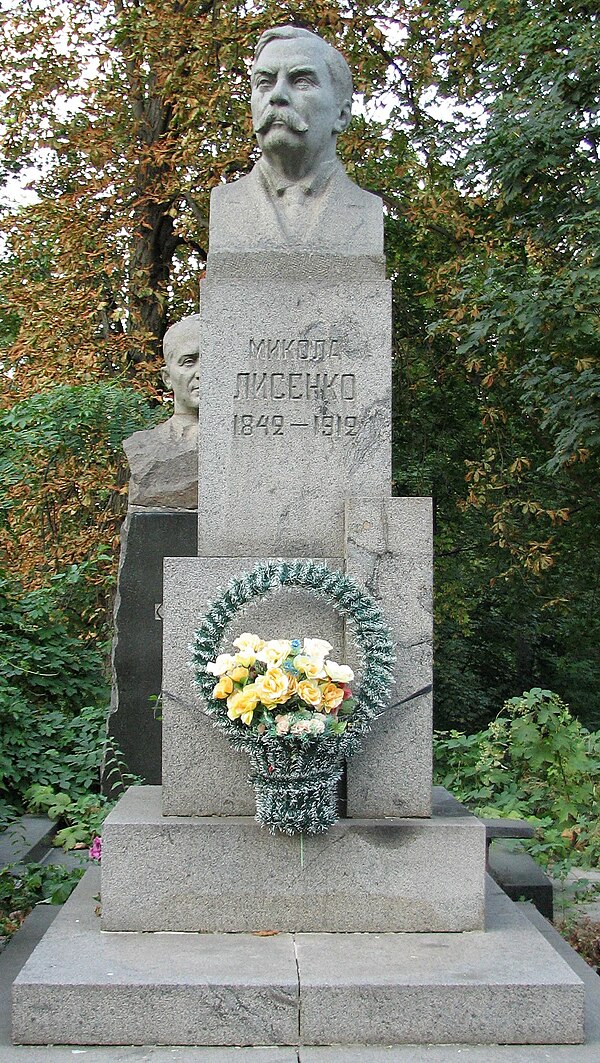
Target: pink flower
[{"x": 95, "y": 851}]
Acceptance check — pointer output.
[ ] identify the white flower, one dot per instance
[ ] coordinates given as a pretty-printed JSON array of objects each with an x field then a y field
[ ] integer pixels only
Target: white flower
[
  {"x": 340, "y": 673},
  {"x": 248, "y": 641},
  {"x": 318, "y": 648},
  {"x": 282, "y": 724},
  {"x": 222, "y": 664},
  {"x": 317, "y": 725},
  {"x": 274, "y": 652},
  {"x": 245, "y": 657}
]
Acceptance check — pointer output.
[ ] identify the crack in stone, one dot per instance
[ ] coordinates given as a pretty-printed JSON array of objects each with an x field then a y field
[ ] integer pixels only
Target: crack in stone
[{"x": 299, "y": 998}]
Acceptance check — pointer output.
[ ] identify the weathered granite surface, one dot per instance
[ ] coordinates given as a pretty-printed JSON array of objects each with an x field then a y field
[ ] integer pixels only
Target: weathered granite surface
[
  {"x": 506, "y": 985},
  {"x": 389, "y": 551},
  {"x": 163, "y": 873},
  {"x": 82, "y": 986},
  {"x": 202, "y": 774},
  {"x": 296, "y": 413},
  {"x": 164, "y": 466}
]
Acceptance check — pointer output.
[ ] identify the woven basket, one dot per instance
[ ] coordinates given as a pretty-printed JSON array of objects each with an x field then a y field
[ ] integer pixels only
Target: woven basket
[{"x": 296, "y": 787}]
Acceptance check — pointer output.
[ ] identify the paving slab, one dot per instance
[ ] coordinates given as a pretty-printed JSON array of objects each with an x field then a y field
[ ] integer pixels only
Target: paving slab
[
  {"x": 506, "y": 985},
  {"x": 26, "y": 839},
  {"x": 153, "y": 988}
]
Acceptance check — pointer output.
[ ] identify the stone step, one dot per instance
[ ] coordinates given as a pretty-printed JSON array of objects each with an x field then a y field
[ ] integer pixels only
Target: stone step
[
  {"x": 504, "y": 985},
  {"x": 26, "y": 840},
  {"x": 226, "y": 874}
]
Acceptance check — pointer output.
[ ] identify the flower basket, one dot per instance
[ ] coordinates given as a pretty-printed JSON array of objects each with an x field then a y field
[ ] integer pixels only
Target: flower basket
[
  {"x": 284, "y": 702},
  {"x": 296, "y": 785}
]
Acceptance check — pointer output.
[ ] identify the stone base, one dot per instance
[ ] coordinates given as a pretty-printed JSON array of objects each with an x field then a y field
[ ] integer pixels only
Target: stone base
[
  {"x": 226, "y": 874},
  {"x": 506, "y": 985}
]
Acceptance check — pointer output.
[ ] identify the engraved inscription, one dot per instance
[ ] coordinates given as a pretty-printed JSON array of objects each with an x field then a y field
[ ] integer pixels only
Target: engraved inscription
[
  {"x": 326, "y": 387},
  {"x": 333, "y": 426},
  {"x": 283, "y": 348}
]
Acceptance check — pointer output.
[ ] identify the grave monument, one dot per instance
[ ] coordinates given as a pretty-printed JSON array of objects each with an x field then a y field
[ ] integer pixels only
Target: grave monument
[
  {"x": 161, "y": 521},
  {"x": 377, "y": 931}
]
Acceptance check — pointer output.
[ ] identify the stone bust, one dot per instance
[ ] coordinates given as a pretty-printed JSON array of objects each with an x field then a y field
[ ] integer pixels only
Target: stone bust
[
  {"x": 164, "y": 460},
  {"x": 298, "y": 196}
]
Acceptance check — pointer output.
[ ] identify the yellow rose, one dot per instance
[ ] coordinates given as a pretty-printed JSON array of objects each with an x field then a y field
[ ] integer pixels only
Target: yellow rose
[
  {"x": 242, "y": 704},
  {"x": 310, "y": 692},
  {"x": 275, "y": 652},
  {"x": 311, "y": 666},
  {"x": 271, "y": 686},
  {"x": 332, "y": 696},
  {"x": 292, "y": 688},
  {"x": 238, "y": 674},
  {"x": 248, "y": 641},
  {"x": 223, "y": 688},
  {"x": 245, "y": 657},
  {"x": 340, "y": 673}
]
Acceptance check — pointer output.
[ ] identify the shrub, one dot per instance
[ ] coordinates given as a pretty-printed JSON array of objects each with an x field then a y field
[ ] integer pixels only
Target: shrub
[{"x": 534, "y": 762}]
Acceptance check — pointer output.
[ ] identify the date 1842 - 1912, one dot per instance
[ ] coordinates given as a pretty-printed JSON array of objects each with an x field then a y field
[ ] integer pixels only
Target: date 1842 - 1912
[{"x": 333, "y": 425}]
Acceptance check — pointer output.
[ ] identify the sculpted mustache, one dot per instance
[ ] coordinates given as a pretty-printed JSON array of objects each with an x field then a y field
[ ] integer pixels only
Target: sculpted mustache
[{"x": 289, "y": 118}]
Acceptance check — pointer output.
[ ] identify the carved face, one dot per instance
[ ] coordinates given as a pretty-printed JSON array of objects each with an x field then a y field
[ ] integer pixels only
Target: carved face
[
  {"x": 295, "y": 108},
  {"x": 181, "y": 373}
]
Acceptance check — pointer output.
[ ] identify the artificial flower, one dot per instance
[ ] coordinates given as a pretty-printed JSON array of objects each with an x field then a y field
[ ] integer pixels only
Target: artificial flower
[
  {"x": 332, "y": 696},
  {"x": 318, "y": 648},
  {"x": 340, "y": 673},
  {"x": 223, "y": 688},
  {"x": 274, "y": 652},
  {"x": 248, "y": 641},
  {"x": 310, "y": 692},
  {"x": 271, "y": 686},
  {"x": 317, "y": 725},
  {"x": 243, "y": 703},
  {"x": 239, "y": 673},
  {"x": 245, "y": 657},
  {"x": 301, "y": 727},
  {"x": 292, "y": 688},
  {"x": 282, "y": 724},
  {"x": 311, "y": 666},
  {"x": 222, "y": 664}
]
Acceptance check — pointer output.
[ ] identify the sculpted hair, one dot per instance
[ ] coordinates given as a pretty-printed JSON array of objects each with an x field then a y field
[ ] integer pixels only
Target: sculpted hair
[
  {"x": 339, "y": 70},
  {"x": 187, "y": 328}
]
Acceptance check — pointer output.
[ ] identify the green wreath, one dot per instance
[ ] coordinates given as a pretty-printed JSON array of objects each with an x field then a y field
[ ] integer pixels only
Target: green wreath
[{"x": 296, "y": 782}]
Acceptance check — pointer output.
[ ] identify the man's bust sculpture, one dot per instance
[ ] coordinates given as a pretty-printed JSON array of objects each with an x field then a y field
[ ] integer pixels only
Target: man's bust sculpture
[
  {"x": 298, "y": 196},
  {"x": 164, "y": 460}
]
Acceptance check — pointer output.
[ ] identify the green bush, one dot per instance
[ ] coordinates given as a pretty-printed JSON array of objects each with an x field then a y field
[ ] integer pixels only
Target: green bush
[
  {"x": 53, "y": 693},
  {"x": 534, "y": 762}
]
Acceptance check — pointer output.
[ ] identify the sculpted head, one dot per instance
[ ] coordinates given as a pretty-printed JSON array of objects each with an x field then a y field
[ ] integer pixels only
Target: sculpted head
[
  {"x": 301, "y": 98},
  {"x": 181, "y": 349}
]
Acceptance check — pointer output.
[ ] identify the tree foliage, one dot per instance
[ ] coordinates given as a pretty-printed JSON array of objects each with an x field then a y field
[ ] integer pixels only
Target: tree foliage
[{"x": 480, "y": 132}]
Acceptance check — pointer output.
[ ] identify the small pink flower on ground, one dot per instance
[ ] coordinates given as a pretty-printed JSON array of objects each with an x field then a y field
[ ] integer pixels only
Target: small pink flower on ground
[{"x": 95, "y": 851}]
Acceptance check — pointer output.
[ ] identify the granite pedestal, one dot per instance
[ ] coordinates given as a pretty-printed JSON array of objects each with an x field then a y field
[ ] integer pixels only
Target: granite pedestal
[
  {"x": 85, "y": 986},
  {"x": 209, "y": 874}
]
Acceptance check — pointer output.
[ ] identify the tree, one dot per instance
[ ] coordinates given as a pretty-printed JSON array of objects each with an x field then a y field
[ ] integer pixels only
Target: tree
[{"x": 484, "y": 155}]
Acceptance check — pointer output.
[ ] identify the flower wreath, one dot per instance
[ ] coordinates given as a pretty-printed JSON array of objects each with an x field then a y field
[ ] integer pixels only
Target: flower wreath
[{"x": 296, "y": 782}]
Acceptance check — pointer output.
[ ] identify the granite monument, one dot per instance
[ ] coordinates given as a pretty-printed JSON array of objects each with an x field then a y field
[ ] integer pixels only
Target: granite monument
[{"x": 294, "y": 461}]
